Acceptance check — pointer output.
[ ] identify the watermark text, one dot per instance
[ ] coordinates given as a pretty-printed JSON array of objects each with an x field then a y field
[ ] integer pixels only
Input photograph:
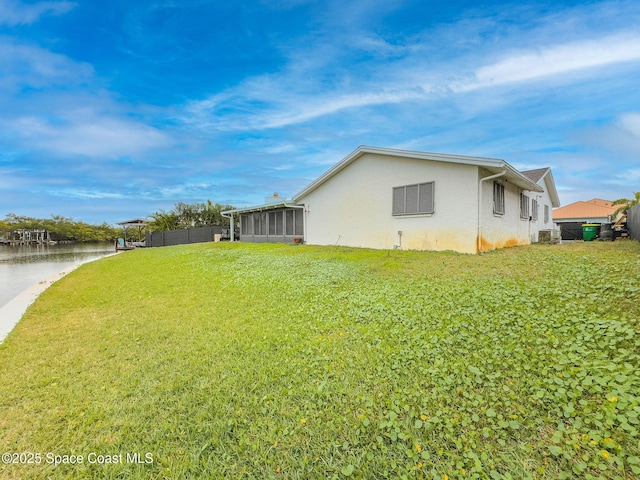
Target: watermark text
[{"x": 92, "y": 458}]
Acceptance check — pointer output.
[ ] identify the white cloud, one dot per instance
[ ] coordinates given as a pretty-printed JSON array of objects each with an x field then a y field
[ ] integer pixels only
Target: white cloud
[
  {"x": 187, "y": 190},
  {"x": 630, "y": 122},
  {"x": 555, "y": 60},
  {"x": 632, "y": 175},
  {"x": 376, "y": 44},
  {"x": 15, "y": 13},
  {"x": 270, "y": 102},
  {"x": 65, "y": 112},
  {"x": 29, "y": 65},
  {"x": 280, "y": 148},
  {"x": 302, "y": 109},
  {"x": 620, "y": 138},
  {"x": 87, "y": 194},
  {"x": 88, "y": 134},
  {"x": 325, "y": 78}
]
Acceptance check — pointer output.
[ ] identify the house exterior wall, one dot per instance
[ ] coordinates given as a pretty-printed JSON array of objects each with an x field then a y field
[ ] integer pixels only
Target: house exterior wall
[
  {"x": 354, "y": 207},
  {"x": 501, "y": 230},
  {"x": 544, "y": 202},
  {"x": 510, "y": 228}
]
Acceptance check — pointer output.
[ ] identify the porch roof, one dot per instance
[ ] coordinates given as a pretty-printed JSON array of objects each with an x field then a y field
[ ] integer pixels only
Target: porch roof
[{"x": 263, "y": 207}]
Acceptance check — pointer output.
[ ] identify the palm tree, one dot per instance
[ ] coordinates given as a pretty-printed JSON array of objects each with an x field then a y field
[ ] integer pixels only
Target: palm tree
[
  {"x": 164, "y": 221},
  {"x": 625, "y": 204}
]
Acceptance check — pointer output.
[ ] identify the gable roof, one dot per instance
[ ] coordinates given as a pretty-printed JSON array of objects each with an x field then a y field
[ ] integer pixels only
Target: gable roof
[
  {"x": 535, "y": 175},
  {"x": 540, "y": 174},
  {"x": 590, "y": 209},
  {"x": 601, "y": 202},
  {"x": 494, "y": 165}
]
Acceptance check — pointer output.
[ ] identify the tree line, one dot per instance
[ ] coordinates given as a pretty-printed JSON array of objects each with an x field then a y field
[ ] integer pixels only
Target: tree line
[
  {"x": 189, "y": 215},
  {"x": 61, "y": 228},
  {"x": 183, "y": 215}
]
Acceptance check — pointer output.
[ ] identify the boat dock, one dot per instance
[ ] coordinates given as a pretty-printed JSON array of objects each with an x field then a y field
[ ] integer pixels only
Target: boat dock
[{"x": 27, "y": 237}]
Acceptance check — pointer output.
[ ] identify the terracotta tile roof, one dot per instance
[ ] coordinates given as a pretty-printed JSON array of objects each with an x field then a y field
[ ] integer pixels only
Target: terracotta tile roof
[
  {"x": 594, "y": 208},
  {"x": 599, "y": 201}
]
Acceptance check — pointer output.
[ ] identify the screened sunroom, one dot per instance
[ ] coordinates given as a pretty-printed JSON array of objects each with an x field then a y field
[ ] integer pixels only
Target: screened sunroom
[{"x": 274, "y": 222}]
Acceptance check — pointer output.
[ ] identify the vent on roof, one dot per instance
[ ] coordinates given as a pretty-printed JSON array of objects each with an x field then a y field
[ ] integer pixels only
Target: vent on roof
[{"x": 275, "y": 198}]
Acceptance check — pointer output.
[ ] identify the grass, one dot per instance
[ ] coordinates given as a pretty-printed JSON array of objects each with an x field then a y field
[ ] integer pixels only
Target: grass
[{"x": 278, "y": 361}]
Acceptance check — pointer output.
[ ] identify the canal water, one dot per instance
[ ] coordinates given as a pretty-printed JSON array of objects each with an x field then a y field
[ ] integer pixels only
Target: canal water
[{"x": 25, "y": 265}]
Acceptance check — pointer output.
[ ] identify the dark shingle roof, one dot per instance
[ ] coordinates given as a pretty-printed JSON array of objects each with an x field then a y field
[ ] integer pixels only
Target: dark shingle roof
[{"x": 535, "y": 175}]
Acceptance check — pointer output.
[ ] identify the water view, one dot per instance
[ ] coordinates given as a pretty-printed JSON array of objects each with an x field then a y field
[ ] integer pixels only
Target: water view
[{"x": 24, "y": 265}]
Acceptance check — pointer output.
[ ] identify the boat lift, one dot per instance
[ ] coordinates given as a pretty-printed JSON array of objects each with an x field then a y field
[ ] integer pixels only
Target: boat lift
[{"x": 122, "y": 243}]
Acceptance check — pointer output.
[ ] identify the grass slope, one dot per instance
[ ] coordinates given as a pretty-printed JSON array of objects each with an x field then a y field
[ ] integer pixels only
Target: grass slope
[{"x": 277, "y": 361}]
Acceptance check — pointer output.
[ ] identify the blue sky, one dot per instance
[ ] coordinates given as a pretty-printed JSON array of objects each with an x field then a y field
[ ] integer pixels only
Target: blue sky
[{"x": 115, "y": 110}]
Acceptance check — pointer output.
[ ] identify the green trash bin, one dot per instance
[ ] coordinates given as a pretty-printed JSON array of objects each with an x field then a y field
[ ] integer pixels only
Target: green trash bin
[{"x": 589, "y": 231}]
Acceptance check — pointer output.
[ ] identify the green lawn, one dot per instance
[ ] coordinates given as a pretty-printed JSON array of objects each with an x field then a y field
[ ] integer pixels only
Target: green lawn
[{"x": 279, "y": 361}]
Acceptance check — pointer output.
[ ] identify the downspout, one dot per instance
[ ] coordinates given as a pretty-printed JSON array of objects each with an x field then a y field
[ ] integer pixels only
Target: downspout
[
  {"x": 304, "y": 219},
  {"x": 537, "y": 224},
  {"x": 479, "y": 236}
]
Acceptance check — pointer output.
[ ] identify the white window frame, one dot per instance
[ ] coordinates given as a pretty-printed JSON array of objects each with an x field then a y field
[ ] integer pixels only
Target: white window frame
[
  {"x": 498, "y": 198},
  {"x": 546, "y": 213},
  {"x": 524, "y": 206}
]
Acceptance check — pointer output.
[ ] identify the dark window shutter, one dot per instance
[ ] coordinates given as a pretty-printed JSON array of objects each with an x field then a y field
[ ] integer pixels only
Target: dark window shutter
[
  {"x": 426, "y": 198},
  {"x": 398, "y": 200},
  {"x": 411, "y": 202}
]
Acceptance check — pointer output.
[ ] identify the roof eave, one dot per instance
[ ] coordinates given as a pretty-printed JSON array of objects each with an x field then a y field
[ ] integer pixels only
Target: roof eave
[
  {"x": 133, "y": 223},
  {"x": 580, "y": 219},
  {"x": 520, "y": 180},
  {"x": 258, "y": 208},
  {"x": 493, "y": 163},
  {"x": 552, "y": 191}
]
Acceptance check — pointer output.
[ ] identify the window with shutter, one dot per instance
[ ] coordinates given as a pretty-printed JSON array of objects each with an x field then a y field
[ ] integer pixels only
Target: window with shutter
[
  {"x": 398, "y": 201},
  {"x": 426, "y": 198},
  {"x": 413, "y": 199}
]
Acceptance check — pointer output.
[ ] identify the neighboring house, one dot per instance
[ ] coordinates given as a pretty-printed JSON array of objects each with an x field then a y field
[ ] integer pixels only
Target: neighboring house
[
  {"x": 384, "y": 198},
  {"x": 571, "y": 217}
]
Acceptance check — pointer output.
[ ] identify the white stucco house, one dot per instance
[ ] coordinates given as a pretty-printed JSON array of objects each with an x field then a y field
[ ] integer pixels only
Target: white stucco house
[{"x": 385, "y": 198}]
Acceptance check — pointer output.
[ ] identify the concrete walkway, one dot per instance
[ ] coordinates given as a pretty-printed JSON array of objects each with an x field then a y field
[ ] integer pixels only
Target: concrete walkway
[{"x": 12, "y": 312}]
